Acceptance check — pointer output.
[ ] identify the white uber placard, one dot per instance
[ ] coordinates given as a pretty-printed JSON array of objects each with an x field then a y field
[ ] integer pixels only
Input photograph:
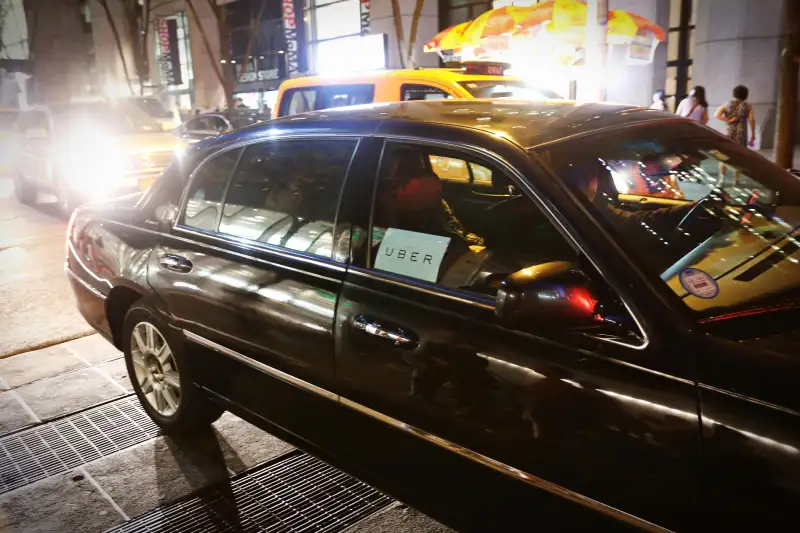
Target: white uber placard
[{"x": 417, "y": 255}]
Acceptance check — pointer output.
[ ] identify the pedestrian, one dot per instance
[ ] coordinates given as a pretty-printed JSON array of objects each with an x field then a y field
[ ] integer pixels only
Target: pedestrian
[
  {"x": 738, "y": 115},
  {"x": 659, "y": 101},
  {"x": 695, "y": 105}
]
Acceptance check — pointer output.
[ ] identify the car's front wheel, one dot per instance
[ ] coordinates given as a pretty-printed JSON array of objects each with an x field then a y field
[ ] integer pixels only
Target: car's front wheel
[{"x": 161, "y": 375}]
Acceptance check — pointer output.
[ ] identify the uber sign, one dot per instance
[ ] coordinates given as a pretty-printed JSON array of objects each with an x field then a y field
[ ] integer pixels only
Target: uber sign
[{"x": 417, "y": 255}]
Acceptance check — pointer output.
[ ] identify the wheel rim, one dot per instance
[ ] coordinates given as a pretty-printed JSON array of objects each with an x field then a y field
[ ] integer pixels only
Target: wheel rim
[{"x": 156, "y": 372}]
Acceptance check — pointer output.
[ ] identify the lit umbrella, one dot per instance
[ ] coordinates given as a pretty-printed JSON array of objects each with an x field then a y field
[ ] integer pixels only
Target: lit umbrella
[{"x": 565, "y": 18}]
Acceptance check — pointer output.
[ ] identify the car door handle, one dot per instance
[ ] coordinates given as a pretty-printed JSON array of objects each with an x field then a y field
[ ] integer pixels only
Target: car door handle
[
  {"x": 176, "y": 263},
  {"x": 398, "y": 337}
]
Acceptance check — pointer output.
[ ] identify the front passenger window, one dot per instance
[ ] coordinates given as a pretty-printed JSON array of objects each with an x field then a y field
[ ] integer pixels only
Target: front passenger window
[
  {"x": 463, "y": 236},
  {"x": 286, "y": 193}
]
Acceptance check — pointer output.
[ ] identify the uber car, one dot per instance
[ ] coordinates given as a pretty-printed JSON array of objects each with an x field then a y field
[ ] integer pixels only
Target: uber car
[{"x": 505, "y": 314}]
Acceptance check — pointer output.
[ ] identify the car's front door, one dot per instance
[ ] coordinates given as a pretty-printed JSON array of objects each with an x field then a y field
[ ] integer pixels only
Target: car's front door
[
  {"x": 420, "y": 350},
  {"x": 249, "y": 273}
]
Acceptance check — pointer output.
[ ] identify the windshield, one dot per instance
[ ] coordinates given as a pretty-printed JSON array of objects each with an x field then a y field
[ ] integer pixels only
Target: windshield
[
  {"x": 515, "y": 89},
  {"x": 716, "y": 222},
  {"x": 122, "y": 119},
  {"x": 152, "y": 107}
]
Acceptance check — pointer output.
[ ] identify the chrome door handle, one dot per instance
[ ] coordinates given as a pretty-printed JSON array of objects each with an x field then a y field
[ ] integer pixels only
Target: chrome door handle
[
  {"x": 175, "y": 263},
  {"x": 398, "y": 337}
]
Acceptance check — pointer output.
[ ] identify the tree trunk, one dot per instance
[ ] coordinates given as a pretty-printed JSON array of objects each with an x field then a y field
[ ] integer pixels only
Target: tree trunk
[
  {"x": 398, "y": 30},
  {"x": 254, "y": 26},
  {"x": 412, "y": 38},
  {"x": 228, "y": 68},
  {"x": 115, "y": 33},
  {"x": 144, "y": 39},
  {"x": 787, "y": 93},
  {"x": 207, "y": 45}
]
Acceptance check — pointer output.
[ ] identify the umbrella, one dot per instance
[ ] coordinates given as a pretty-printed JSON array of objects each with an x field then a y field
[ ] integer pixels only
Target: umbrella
[{"x": 558, "y": 17}]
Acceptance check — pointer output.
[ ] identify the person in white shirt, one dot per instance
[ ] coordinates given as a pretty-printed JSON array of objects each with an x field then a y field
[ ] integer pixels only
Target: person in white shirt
[
  {"x": 659, "y": 101},
  {"x": 695, "y": 105}
]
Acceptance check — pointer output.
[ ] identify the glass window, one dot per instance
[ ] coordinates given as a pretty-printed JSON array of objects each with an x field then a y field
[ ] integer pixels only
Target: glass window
[
  {"x": 206, "y": 190},
  {"x": 715, "y": 221},
  {"x": 344, "y": 95},
  {"x": 298, "y": 101},
  {"x": 449, "y": 233},
  {"x": 457, "y": 170},
  {"x": 414, "y": 91},
  {"x": 286, "y": 193}
]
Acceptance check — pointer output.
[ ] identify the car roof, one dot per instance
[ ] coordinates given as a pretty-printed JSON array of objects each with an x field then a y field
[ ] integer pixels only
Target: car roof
[
  {"x": 372, "y": 76},
  {"x": 526, "y": 123}
]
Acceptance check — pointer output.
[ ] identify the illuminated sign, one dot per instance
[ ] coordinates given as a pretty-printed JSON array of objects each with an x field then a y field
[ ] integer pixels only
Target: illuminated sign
[
  {"x": 348, "y": 54},
  {"x": 364, "y": 10},
  {"x": 168, "y": 59},
  {"x": 293, "y": 34}
]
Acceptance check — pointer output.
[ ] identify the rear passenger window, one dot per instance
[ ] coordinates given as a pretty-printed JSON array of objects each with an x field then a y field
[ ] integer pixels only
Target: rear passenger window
[
  {"x": 418, "y": 91},
  {"x": 461, "y": 228},
  {"x": 286, "y": 193},
  {"x": 297, "y": 101},
  {"x": 205, "y": 193},
  {"x": 345, "y": 95}
]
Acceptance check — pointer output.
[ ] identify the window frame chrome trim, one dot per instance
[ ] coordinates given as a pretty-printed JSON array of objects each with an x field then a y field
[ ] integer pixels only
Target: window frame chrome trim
[
  {"x": 561, "y": 225},
  {"x": 471, "y": 455}
]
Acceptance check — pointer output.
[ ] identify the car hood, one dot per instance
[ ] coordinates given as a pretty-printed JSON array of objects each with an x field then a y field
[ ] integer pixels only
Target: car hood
[{"x": 150, "y": 142}]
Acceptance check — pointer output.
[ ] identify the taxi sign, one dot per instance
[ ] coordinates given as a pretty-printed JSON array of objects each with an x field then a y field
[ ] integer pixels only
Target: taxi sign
[{"x": 486, "y": 68}]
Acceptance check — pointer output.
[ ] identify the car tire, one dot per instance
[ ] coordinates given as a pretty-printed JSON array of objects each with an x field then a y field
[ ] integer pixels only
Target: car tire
[
  {"x": 162, "y": 376},
  {"x": 26, "y": 192}
]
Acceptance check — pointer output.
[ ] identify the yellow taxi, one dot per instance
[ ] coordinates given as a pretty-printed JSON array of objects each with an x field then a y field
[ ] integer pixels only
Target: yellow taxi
[{"x": 471, "y": 80}]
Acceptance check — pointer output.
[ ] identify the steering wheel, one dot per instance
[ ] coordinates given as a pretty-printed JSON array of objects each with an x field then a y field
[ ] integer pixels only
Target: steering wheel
[{"x": 714, "y": 206}]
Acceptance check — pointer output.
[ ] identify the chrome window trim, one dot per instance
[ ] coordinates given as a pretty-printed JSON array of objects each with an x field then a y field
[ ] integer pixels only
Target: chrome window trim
[
  {"x": 553, "y": 216},
  {"x": 335, "y": 267},
  {"x": 450, "y": 446}
]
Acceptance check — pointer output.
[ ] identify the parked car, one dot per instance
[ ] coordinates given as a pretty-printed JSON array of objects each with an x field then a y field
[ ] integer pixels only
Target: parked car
[
  {"x": 156, "y": 110},
  {"x": 477, "y": 79},
  {"x": 523, "y": 342},
  {"x": 212, "y": 124},
  {"x": 89, "y": 150}
]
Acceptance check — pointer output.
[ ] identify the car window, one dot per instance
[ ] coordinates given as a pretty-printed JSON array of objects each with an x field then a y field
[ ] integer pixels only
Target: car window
[
  {"x": 418, "y": 91},
  {"x": 457, "y": 236},
  {"x": 452, "y": 169},
  {"x": 218, "y": 124},
  {"x": 207, "y": 188},
  {"x": 296, "y": 101},
  {"x": 515, "y": 89},
  {"x": 286, "y": 193},
  {"x": 717, "y": 223},
  {"x": 345, "y": 95}
]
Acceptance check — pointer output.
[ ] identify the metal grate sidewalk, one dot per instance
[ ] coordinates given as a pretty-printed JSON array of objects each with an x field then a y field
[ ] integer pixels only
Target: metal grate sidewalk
[
  {"x": 293, "y": 494},
  {"x": 58, "y": 446}
]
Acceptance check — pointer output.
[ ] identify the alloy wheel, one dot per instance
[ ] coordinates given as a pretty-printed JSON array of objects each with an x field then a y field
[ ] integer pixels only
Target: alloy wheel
[{"x": 155, "y": 369}]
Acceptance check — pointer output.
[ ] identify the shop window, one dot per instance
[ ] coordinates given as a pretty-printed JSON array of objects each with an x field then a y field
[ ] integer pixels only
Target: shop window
[{"x": 414, "y": 91}]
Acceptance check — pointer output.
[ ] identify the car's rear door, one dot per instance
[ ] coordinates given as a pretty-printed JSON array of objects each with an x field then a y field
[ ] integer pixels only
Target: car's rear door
[
  {"x": 472, "y": 415},
  {"x": 250, "y": 274}
]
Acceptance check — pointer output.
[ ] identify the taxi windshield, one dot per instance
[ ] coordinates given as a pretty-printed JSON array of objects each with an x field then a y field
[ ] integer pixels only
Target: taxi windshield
[
  {"x": 101, "y": 117},
  {"x": 719, "y": 224},
  {"x": 515, "y": 89}
]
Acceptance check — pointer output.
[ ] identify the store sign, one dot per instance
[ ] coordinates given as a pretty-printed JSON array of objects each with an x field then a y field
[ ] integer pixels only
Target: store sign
[
  {"x": 168, "y": 59},
  {"x": 293, "y": 34},
  {"x": 261, "y": 75},
  {"x": 364, "y": 9}
]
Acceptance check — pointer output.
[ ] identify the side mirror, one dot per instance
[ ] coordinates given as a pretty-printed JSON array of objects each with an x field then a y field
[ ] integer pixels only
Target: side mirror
[
  {"x": 166, "y": 215},
  {"x": 552, "y": 296}
]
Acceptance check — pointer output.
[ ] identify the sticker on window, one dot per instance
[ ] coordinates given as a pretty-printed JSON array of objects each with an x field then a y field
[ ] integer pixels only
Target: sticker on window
[
  {"x": 417, "y": 255},
  {"x": 699, "y": 283}
]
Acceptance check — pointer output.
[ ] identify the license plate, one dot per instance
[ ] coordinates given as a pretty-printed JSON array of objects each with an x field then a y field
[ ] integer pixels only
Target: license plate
[{"x": 145, "y": 183}]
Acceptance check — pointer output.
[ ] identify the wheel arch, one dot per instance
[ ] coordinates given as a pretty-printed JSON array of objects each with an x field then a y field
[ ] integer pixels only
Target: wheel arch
[{"x": 120, "y": 299}]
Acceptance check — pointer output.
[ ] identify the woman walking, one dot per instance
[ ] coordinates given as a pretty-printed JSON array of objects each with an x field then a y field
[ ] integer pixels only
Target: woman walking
[
  {"x": 695, "y": 105},
  {"x": 738, "y": 114}
]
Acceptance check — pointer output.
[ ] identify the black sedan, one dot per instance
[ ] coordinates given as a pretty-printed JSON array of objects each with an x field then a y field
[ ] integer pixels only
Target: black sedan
[
  {"x": 509, "y": 315},
  {"x": 208, "y": 125}
]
